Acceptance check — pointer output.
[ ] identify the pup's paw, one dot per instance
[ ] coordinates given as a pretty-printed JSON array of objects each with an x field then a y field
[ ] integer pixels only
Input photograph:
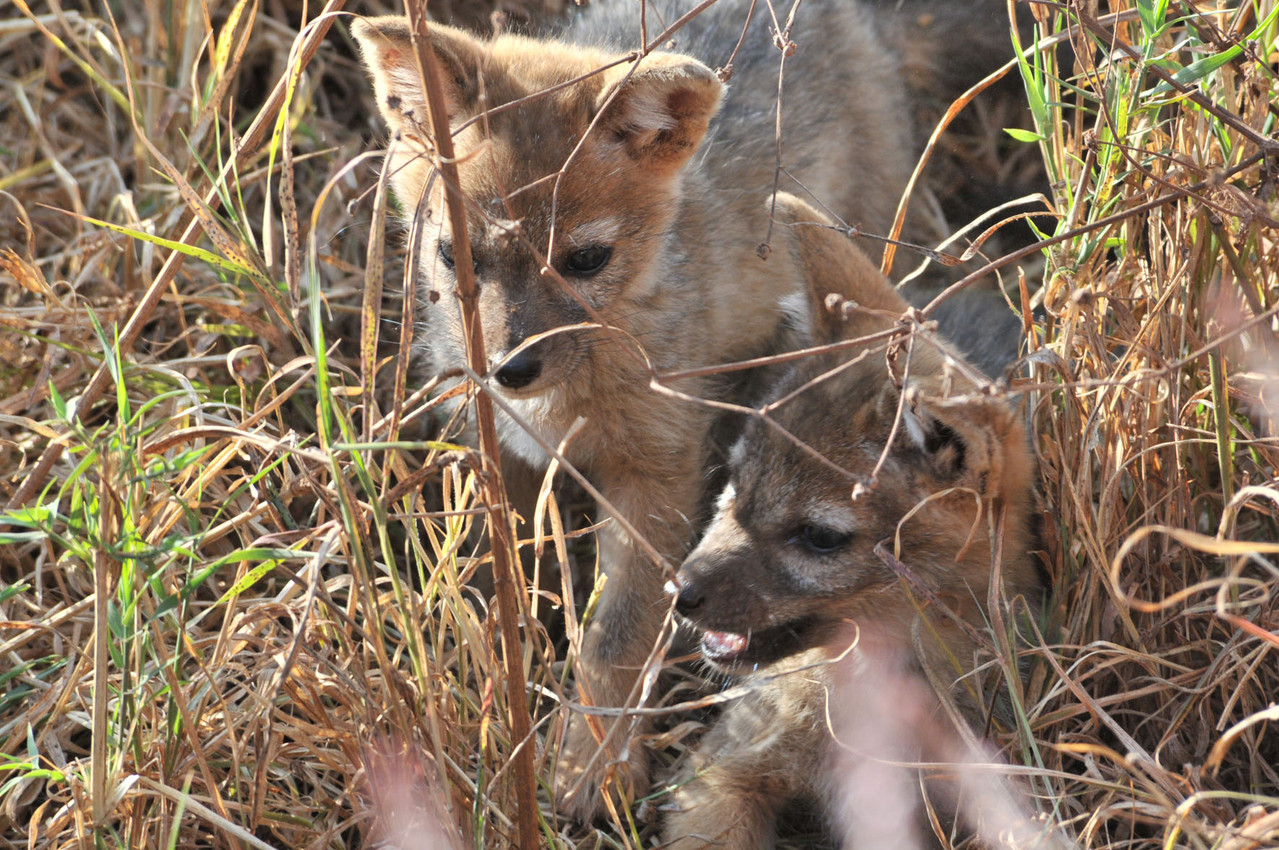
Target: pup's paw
[
  {"x": 588, "y": 780},
  {"x": 714, "y": 815}
]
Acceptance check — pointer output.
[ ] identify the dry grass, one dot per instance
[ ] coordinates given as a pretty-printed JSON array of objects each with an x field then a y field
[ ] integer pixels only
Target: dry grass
[
  {"x": 1157, "y": 435},
  {"x": 233, "y": 572}
]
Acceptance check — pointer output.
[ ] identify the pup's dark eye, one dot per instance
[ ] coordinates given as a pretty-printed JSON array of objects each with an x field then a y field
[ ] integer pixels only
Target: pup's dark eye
[
  {"x": 588, "y": 260},
  {"x": 446, "y": 257},
  {"x": 820, "y": 539}
]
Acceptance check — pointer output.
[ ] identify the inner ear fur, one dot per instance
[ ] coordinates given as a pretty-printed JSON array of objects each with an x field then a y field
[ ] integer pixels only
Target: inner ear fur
[
  {"x": 968, "y": 440},
  {"x": 834, "y": 266},
  {"x": 971, "y": 440},
  {"x": 386, "y": 47},
  {"x": 660, "y": 113}
]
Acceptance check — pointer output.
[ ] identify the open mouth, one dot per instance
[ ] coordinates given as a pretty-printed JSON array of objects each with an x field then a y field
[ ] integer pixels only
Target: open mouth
[
  {"x": 730, "y": 650},
  {"x": 724, "y": 647}
]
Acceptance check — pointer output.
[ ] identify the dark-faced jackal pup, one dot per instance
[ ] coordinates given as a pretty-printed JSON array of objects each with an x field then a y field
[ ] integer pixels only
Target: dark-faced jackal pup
[
  {"x": 787, "y": 575},
  {"x": 624, "y": 206}
]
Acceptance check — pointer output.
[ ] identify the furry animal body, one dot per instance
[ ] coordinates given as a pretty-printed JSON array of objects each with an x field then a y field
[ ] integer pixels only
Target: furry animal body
[
  {"x": 878, "y": 443},
  {"x": 615, "y": 208}
]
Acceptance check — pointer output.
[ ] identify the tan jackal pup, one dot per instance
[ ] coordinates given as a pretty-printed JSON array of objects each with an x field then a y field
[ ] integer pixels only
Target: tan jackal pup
[
  {"x": 787, "y": 576},
  {"x": 651, "y": 219}
]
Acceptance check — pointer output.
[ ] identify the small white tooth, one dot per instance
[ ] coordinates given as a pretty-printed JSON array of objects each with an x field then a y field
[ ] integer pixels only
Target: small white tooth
[
  {"x": 724, "y": 643},
  {"x": 672, "y": 589}
]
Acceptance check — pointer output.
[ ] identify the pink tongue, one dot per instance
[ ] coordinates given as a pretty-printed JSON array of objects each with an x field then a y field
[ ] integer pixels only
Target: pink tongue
[{"x": 721, "y": 644}]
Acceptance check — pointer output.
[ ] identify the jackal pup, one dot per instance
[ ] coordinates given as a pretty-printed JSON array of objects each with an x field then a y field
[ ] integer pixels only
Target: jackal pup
[
  {"x": 900, "y": 447},
  {"x": 614, "y": 214}
]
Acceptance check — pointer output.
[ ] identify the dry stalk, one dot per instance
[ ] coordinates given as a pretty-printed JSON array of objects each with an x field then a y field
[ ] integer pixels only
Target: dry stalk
[{"x": 507, "y": 572}]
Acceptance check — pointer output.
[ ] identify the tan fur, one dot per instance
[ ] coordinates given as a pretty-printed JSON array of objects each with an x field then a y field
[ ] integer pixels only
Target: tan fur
[
  {"x": 684, "y": 286},
  {"x": 754, "y": 574}
]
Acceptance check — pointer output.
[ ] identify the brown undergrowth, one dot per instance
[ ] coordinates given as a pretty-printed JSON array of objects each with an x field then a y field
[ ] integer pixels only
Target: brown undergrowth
[
  {"x": 235, "y": 607},
  {"x": 1158, "y": 438}
]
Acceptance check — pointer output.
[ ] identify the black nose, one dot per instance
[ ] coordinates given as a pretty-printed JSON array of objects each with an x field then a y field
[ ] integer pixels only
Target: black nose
[
  {"x": 689, "y": 598},
  {"x": 520, "y": 370}
]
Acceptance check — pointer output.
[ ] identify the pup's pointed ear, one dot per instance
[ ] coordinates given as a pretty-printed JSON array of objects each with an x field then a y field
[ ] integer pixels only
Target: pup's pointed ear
[
  {"x": 973, "y": 441},
  {"x": 834, "y": 266},
  {"x": 660, "y": 113},
  {"x": 389, "y": 55}
]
